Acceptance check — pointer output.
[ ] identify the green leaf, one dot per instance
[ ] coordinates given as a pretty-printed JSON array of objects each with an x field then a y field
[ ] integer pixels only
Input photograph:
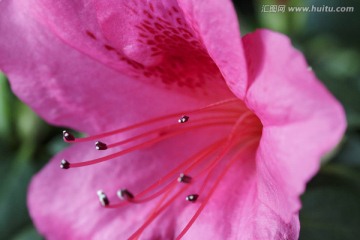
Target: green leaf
[
  {"x": 350, "y": 151},
  {"x": 344, "y": 25},
  {"x": 5, "y": 108},
  {"x": 29, "y": 233},
  {"x": 331, "y": 208},
  {"x": 13, "y": 196},
  {"x": 330, "y": 213}
]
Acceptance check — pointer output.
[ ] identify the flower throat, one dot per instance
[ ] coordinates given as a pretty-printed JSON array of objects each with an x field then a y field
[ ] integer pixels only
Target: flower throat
[{"x": 194, "y": 179}]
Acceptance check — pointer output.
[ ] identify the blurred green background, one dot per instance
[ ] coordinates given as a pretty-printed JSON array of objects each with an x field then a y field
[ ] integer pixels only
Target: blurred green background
[{"x": 331, "y": 44}]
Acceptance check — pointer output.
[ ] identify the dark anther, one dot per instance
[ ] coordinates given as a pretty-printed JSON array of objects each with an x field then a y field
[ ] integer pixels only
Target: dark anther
[
  {"x": 183, "y": 119},
  {"x": 103, "y": 198},
  {"x": 64, "y": 164},
  {"x": 184, "y": 178},
  {"x": 124, "y": 194},
  {"x": 68, "y": 136},
  {"x": 100, "y": 146},
  {"x": 192, "y": 197}
]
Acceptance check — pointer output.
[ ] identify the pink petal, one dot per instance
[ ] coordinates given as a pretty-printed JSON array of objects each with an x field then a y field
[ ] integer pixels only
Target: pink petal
[
  {"x": 263, "y": 223},
  {"x": 227, "y": 209},
  {"x": 68, "y": 88},
  {"x": 218, "y": 27},
  {"x": 301, "y": 120},
  {"x": 235, "y": 211},
  {"x": 149, "y": 40}
]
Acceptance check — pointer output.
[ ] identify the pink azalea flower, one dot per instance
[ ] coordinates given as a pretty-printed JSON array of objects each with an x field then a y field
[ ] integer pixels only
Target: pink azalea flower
[{"x": 255, "y": 120}]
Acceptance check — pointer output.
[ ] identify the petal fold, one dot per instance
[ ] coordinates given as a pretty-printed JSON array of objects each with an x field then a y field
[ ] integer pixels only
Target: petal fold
[
  {"x": 217, "y": 23},
  {"x": 302, "y": 121}
]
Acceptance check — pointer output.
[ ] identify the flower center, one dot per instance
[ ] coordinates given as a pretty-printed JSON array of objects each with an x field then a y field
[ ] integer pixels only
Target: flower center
[{"x": 194, "y": 179}]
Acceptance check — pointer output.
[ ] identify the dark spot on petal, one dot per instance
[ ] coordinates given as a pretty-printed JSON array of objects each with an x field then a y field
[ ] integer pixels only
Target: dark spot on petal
[
  {"x": 175, "y": 9},
  {"x": 151, "y": 7},
  {"x": 109, "y": 48},
  {"x": 91, "y": 35},
  {"x": 179, "y": 21}
]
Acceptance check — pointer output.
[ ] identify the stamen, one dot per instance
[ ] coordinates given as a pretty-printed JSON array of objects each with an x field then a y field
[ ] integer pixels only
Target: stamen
[
  {"x": 143, "y": 145},
  {"x": 184, "y": 178},
  {"x": 167, "y": 129},
  {"x": 124, "y": 194},
  {"x": 192, "y": 197},
  {"x": 68, "y": 136},
  {"x": 100, "y": 145},
  {"x": 212, "y": 162},
  {"x": 183, "y": 119},
  {"x": 64, "y": 164},
  {"x": 195, "y": 160},
  {"x": 159, "y": 204},
  {"x": 103, "y": 198},
  {"x": 213, "y": 188},
  {"x": 230, "y": 143},
  {"x": 155, "y": 120},
  {"x": 154, "y": 195},
  {"x": 156, "y": 213}
]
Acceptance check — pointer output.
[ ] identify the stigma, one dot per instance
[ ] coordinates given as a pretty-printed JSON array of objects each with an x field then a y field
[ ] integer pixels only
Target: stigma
[{"x": 193, "y": 180}]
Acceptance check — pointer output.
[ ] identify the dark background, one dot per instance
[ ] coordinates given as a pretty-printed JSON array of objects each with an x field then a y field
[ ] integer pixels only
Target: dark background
[{"x": 331, "y": 204}]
